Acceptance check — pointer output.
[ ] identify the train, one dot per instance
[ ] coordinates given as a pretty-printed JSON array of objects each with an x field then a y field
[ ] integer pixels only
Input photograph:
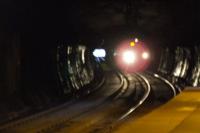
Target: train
[{"x": 132, "y": 55}]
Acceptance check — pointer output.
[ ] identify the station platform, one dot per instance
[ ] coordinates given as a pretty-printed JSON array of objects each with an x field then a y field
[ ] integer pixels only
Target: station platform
[{"x": 180, "y": 115}]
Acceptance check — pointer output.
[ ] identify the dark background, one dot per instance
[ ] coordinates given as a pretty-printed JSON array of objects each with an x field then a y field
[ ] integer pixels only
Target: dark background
[{"x": 31, "y": 31}]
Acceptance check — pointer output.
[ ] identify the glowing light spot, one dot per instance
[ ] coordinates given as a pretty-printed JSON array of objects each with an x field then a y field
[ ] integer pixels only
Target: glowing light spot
[
  {"x": 145, "y": 55},
  {"x": 156, "y": 75},
  {"x": 132, "y": 43},
  {"x": 129, "y": 57},
  {"x": 136, "y": 40},
  {"x": 99, "y": 53}
]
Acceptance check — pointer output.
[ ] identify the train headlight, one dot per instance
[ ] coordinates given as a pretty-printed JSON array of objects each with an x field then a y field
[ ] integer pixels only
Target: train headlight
[
  {"x": 129, "y": 57},
  {"x": 145, "y": 55}
]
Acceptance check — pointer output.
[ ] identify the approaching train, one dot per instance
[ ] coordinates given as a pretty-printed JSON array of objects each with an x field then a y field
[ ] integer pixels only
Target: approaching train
[{"x": 132, "y": 56}]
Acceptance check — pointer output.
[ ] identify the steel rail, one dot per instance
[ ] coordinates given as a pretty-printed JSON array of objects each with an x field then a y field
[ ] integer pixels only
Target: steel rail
[
  {"x": 143, "y": 99},
  {"x": 61, "y": 107},
  {"x": 47, "y": 112},
  {"x": 167, "y": 82},
  {"x": 112, "y": 96}
]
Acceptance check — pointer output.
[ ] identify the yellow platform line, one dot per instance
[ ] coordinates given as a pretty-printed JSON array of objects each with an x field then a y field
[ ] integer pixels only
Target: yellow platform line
[{"x": 180, "y": 115}]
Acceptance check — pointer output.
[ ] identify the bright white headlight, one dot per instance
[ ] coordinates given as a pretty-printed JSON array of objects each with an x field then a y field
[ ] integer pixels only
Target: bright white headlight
[
  {"x": 129, "y": 57},
  {"x": 145, "y": 55}
]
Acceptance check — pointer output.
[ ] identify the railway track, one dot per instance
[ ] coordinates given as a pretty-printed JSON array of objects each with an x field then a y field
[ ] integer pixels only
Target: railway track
[
  {"x": 115, "y": 102},
  {"x": 67, "y": 106}
]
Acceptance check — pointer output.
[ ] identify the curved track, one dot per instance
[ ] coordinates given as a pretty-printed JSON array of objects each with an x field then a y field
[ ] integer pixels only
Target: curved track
[
  {"x": 119, "y": 97},
  {"x": 142, "y": 100}
]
